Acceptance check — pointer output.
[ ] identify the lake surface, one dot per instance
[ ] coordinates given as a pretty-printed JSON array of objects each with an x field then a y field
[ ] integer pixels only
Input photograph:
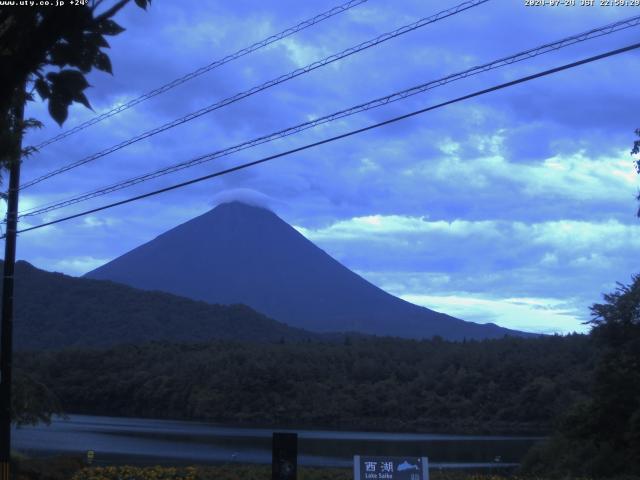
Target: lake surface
[{"x": 145, "y": 441}]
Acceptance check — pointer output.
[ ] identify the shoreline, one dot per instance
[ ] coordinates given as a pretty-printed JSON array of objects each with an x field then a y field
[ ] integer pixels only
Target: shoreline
[{"x": 353, "y": 427}]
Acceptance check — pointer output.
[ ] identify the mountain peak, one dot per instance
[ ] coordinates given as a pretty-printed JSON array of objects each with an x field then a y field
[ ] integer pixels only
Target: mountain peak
[
  {"x": 236, "y": 210},
  {"x": 240, "y": 205},
  {"x": 243, "y": 253}
]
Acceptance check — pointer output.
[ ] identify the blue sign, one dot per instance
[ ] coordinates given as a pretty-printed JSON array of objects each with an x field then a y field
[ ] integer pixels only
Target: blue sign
[{"x": 390, "y": 468}]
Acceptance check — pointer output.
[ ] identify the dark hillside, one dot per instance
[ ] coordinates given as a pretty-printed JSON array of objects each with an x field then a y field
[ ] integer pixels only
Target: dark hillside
[{"x": 53, "y": 311}]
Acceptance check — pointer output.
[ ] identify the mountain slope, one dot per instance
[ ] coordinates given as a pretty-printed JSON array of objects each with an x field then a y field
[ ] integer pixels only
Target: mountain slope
[
  {"x": 54, "y": 311},
  {"x": 237, "y": 253}
]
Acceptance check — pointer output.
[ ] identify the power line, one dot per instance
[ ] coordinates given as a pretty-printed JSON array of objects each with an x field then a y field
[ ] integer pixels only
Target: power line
[
  {"x": 341, "y": 136},
  {"x": 207, "y": 68},
  {"x": 548, "y": 47},
  {"x": 271, "y": 83}
]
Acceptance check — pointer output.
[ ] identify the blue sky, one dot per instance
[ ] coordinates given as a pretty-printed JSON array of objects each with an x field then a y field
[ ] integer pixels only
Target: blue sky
[{"x": 517, "y": 207}]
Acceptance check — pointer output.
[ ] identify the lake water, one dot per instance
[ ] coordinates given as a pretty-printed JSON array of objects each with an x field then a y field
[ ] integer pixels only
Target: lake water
[{"x": 145, "y": 441}]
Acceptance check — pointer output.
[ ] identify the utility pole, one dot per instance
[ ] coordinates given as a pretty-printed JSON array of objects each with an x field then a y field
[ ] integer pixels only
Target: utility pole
[{"x": 6, "y": 325}]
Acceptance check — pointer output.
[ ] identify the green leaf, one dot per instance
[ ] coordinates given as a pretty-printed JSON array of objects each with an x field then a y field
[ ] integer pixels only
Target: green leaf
[
  {"x": 52, "y": 77},
  {"x": 58, "y": 109},
  {"x": 109, "y": 27},
  {"x": 102, "y": 62},
  {"x": 86, "y": 58},
  {"x": 67, "y": 86},
  {"x": 71, "y": 80},
  {"x": 97, "y": 40},
  {"x": 82, "y": 98},
  {"x": 61, "y": 54}
]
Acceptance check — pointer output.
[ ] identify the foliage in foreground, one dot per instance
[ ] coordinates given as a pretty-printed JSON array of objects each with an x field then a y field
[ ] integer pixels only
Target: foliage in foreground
[
  {"x": 137, "y": 473},
  {"x": 248, "y": 472},
  {"x": 32, "y": 401},
  {"x": 600, "y": 437},
  {"x": 71, "y": 468},
  {"x": 50, "y": 468},
  {"x": 49, "y": 50}
]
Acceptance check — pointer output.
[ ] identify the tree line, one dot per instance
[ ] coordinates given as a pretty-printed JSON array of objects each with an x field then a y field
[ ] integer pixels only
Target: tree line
[
  {"x": 600, "y": 436},
  {"x": 506, "y": 385}
]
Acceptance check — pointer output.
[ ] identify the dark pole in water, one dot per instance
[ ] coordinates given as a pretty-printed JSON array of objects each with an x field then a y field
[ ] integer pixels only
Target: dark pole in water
[{"x": 6, "y": 338}]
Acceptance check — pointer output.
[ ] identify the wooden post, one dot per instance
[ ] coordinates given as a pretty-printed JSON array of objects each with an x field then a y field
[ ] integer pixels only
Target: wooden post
[{"x": 284, "y": 459}]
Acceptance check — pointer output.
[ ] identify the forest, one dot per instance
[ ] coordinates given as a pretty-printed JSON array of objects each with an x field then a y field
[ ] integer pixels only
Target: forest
[{"x": 506, "y": 385}]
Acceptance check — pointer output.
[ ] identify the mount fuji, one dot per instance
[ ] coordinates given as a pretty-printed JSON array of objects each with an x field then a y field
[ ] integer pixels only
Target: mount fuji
[{"x": 237, "y": 253}]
